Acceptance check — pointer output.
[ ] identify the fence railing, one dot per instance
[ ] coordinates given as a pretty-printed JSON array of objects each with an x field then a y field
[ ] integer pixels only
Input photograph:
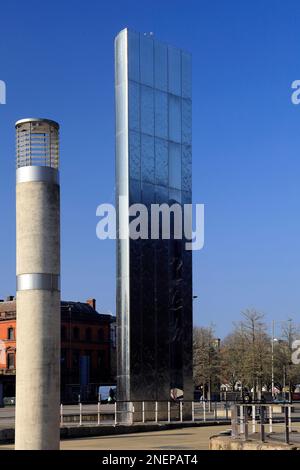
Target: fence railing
[
  {"x": 260, "y": 419},
  {"x": 145, "y": 412}
]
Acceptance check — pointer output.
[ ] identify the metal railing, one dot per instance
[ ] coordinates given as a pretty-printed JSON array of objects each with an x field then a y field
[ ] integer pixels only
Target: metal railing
[
  {"x": 265, "y": 421},
  {"x": 145, "y": 412}
]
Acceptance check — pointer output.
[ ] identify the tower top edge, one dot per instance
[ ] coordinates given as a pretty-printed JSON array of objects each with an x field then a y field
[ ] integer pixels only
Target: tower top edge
[
  {"x": 28, "y": 120},
  {"x": 151, "y": 36}
]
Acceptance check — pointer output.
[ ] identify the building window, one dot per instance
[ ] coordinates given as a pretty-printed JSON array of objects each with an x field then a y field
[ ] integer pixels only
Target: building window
[
  {"x": 101, "y": 359},
  {"x": 10, "y": 334},
  {"x": 63, "y": 333},
  {"x": 10, "y": 361},
  {"x": 113, "y": 336},
  {"x": 75, "y": 359},
  {"x": 88, "y": 334},
  {"x": 89, "y": 355},
  {"x": 76, "y": 334},
  {"x": 63, "y": 358},
  {"x": 101, "y": 335}
]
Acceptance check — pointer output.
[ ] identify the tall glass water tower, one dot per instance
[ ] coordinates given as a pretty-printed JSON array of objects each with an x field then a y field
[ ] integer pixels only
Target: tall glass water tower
[{"x": 153, "y": 165}]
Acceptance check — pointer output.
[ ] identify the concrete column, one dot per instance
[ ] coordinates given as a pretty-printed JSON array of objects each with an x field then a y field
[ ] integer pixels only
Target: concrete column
[{"x": 38, "y": 292}]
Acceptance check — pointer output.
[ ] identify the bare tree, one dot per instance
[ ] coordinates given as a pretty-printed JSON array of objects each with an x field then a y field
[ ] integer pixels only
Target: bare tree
[
  {"x": 206, "y": 359},
  {"x": 246, "y": 354},
  {"x": 257, "y": 360},
  {"x": 233, "y": 352}
]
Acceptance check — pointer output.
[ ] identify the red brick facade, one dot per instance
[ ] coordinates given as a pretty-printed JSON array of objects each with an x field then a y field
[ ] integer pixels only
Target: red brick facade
[{"x": 84, "y": 332}]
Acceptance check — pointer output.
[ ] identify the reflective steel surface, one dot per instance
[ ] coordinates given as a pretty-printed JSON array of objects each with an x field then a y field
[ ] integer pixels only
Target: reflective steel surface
[
  {"x": 38, "y": 281},
  {"x": 26, "y": 174},
  {"x": 153, "y": 165}
]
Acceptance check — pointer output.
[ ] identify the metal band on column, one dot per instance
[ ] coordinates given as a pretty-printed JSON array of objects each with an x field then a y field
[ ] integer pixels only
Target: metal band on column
[
  {"x": 26, "y": 174},
  {"x": 38, "y": 282}
]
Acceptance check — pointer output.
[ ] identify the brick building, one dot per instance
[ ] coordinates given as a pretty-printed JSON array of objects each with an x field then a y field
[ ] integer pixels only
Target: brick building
[{"x": 87, "y": 348}]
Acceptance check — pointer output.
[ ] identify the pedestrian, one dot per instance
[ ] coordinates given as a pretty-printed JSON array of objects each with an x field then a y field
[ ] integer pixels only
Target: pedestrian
[
  {"x": 111, "y": 396},
  {"x": 248, "y": 399}
]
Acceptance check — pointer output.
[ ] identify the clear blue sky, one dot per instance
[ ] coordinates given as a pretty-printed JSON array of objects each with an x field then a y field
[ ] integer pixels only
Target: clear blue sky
[{"x": 57, "y": 61}]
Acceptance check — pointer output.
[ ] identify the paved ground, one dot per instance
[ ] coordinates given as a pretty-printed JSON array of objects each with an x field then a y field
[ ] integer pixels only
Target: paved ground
[{"x": 177, "y": 439}]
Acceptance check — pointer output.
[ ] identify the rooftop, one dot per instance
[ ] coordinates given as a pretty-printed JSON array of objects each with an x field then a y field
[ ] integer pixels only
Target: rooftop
[{"x": 78, "y": 310}]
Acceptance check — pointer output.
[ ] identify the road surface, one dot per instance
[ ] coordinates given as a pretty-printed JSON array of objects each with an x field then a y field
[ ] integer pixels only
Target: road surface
[{"x": 175, "y": 439}]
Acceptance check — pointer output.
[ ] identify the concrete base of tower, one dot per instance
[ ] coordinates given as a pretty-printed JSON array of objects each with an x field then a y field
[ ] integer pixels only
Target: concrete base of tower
[{"x": 38, "y": 373}]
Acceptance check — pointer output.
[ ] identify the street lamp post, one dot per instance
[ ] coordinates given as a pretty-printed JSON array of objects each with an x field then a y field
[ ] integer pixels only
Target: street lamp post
[{"x": 273, "y": 339}]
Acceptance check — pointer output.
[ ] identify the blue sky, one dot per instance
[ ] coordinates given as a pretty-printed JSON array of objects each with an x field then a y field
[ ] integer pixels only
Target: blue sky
[{"x": 57, "y": 62}]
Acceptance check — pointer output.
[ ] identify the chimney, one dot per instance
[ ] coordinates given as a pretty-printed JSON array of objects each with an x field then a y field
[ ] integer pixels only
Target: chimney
[{"x": 92, "y": 303}]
